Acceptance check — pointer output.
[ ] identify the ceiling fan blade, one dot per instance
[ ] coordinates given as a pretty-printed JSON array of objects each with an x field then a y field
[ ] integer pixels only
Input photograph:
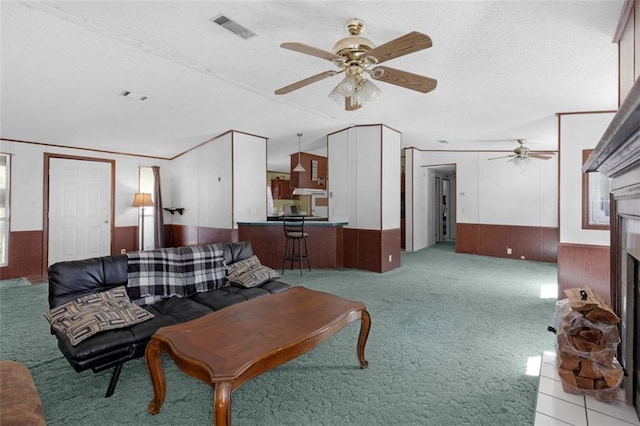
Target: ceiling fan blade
[
  {"x": 307, "y": 81},
  {"x": 313, "y": 51},
  {"x": 408, "y": 43},
  {"x": 404, "y": 79},
  {"x": 540, "y": 156},
  {"x": 504, "y": 156}
]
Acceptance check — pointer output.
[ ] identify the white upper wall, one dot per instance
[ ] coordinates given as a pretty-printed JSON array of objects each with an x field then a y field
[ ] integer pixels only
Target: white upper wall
[
  {"x": 27, "y": 166},
  {"x": 222, "y": 182},
  {"x": 249, "y": 178},
  {"x": 577, "y": 133},
  {"x": 364, "y": 177},
  {"x": 495, "y": 192}
]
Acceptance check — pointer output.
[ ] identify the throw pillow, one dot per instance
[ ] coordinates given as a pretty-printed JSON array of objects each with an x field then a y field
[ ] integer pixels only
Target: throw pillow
[
  {"x": 250, "y": 273},
  {"x": 88, "y": 315},
  {"x": 242, "y": 266}
]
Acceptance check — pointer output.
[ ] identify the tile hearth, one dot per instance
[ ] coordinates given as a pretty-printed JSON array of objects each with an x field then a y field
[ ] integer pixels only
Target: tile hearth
[{"x": 556, "y": 407}]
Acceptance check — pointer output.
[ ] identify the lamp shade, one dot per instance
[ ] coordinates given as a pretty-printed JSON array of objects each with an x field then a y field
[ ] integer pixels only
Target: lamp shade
[{"x": 142, "y": 199}]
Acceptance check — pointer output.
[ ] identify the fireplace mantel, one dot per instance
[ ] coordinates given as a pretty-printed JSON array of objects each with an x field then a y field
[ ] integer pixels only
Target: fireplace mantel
[
  {"x": 617, "y": 156},
  {"x": 619, "y": 148}
]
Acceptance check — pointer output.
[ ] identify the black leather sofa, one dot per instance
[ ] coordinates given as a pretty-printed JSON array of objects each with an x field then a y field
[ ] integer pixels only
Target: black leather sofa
[{"x": 112, "y": 348}]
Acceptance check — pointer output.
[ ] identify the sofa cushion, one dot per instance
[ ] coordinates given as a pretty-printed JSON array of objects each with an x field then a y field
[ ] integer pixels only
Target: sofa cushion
[
  {"x": 234, "y": 252},
  {"x": 88, "y": 315},
  {"x": 181, "y": 309},
  {"x": 72, "y": 279},
  {"x": 250, "y": 273},
  {"x": 228, "y": 296}
]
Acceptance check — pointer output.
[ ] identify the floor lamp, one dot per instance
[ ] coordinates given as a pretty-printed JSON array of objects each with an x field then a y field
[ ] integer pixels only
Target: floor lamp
[{"x": 142, "y": 200}]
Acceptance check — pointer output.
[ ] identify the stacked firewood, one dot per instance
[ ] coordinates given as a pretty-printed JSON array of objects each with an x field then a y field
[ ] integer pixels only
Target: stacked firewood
[{"x": 588, "y": 338}]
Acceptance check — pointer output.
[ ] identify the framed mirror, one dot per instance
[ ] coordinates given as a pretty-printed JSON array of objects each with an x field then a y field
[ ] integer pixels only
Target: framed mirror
[{"x": 596, "y": 189}]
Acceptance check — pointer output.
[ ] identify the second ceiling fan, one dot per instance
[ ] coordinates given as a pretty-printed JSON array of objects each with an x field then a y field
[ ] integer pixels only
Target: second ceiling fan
[
  {"x": 523, "y": 152},
  {"x": 358, "y": 57}
]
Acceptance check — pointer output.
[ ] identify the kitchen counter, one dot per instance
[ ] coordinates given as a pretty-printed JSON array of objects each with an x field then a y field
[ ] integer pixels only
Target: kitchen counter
[
  {"x": 267, "y": 238},
  {"x": 306, "y": 218},
  {"x": 308, "y": 221}
]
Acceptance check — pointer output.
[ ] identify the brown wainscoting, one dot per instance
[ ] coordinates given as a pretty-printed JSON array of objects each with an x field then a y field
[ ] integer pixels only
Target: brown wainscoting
[
  {"x": 390, "y": 248},
  {"x": 124, "y": 237},
  {"x": 528, "y": 242},
  {"x": 370, "y": 249},
  {"x": 182, "y": 235},
  {"x": 268, "y": 243},
  {"x": 25, "y": 256},
  {"x": 350, "y": 246},
  {"x": 467, "y": 238},
  {"x": 549, "y": 238},
  {"x": 582, "y": 265},
  {"x": 216, "y": 235}
]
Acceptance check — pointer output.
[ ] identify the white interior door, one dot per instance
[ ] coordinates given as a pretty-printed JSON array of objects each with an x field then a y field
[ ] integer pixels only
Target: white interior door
[{"x": 79, "y": 209}]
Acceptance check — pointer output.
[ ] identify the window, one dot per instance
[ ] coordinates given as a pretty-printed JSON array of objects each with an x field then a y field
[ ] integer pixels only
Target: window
[
  {"x": 5, "y": 161},
  {"x": 595, "y": 198}
]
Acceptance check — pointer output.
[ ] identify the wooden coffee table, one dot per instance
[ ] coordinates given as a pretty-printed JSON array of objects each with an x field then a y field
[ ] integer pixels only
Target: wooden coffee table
[{"x": 229, "y": 347}]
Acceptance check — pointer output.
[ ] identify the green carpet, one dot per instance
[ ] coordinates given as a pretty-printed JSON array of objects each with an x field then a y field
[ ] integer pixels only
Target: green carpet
[{"x": 450, "y": 339}]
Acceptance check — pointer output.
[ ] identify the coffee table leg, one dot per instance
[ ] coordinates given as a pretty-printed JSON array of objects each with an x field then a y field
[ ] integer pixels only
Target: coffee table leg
[
  {"x": 156, "y": 372},
  {"x": 222, "y": 404},
  {"x": 362, "y": 339}
]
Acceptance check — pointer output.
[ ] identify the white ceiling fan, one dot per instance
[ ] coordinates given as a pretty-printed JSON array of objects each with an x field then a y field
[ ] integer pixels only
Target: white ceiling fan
[{"x": 523, "y": 152}]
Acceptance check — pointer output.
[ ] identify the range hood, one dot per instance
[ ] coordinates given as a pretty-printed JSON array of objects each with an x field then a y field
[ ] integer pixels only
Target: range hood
[{"x": 309, "y": 191}]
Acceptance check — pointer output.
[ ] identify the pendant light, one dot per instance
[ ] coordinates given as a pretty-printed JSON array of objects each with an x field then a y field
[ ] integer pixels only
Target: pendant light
[{"x": 299, "y": 167}]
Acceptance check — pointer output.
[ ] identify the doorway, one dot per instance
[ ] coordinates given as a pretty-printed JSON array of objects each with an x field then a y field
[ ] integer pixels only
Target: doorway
[
  {"x": 78, "y": 207},
  {"x": 443, "y": 203}
]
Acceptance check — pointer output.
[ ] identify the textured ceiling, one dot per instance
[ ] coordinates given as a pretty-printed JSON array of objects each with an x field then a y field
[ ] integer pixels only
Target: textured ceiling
[{"x": 504, "y": 69}]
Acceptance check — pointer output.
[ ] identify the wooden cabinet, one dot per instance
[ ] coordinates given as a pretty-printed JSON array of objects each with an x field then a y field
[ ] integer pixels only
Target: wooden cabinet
[
  {"x": 281, "y": 189},
  {"x": 315, "y": 174}
]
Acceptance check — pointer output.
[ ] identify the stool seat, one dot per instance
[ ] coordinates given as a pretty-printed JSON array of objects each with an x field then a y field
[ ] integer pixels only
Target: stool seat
[
  {"x": 294, "y": 250},
  {"x": 297, "y": 234}
]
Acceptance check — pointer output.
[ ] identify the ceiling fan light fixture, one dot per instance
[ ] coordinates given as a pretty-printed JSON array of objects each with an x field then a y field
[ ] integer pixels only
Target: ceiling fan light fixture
[
  {"x": 369, "y": 90},
  {"x": 335, "y": 95},
  {"x": 347, "y": 86},
  {"x": 298, "y": 167},
  {"x": 355, "y": 100}
]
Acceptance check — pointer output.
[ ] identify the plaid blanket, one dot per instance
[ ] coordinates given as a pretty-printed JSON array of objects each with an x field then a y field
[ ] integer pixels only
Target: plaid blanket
[
  {"x": 154, "y": 275},
  {"x": 203, "y": 268}
]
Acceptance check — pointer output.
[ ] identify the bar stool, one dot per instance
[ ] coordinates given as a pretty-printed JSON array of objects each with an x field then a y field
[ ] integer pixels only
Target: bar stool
[{"x": 294, "y": 233}]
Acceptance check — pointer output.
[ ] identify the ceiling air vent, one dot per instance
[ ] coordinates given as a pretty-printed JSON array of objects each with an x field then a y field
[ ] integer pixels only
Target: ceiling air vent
[
  {"x": 233, "y": 26},
  {"x": 133, "y": 95}
]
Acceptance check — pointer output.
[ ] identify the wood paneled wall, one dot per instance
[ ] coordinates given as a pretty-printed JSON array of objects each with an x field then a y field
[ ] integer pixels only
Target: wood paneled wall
[
  {"x": 25, "y": 256},
  {"x": 528, "y": 242},
  {"x": 325, "y": 245},
  {"x": 124, "y": 237},
  {"x": 584, "y": 265},
  {"x": 181, "y": 235},
  {"x": 371, "y": 249}
]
